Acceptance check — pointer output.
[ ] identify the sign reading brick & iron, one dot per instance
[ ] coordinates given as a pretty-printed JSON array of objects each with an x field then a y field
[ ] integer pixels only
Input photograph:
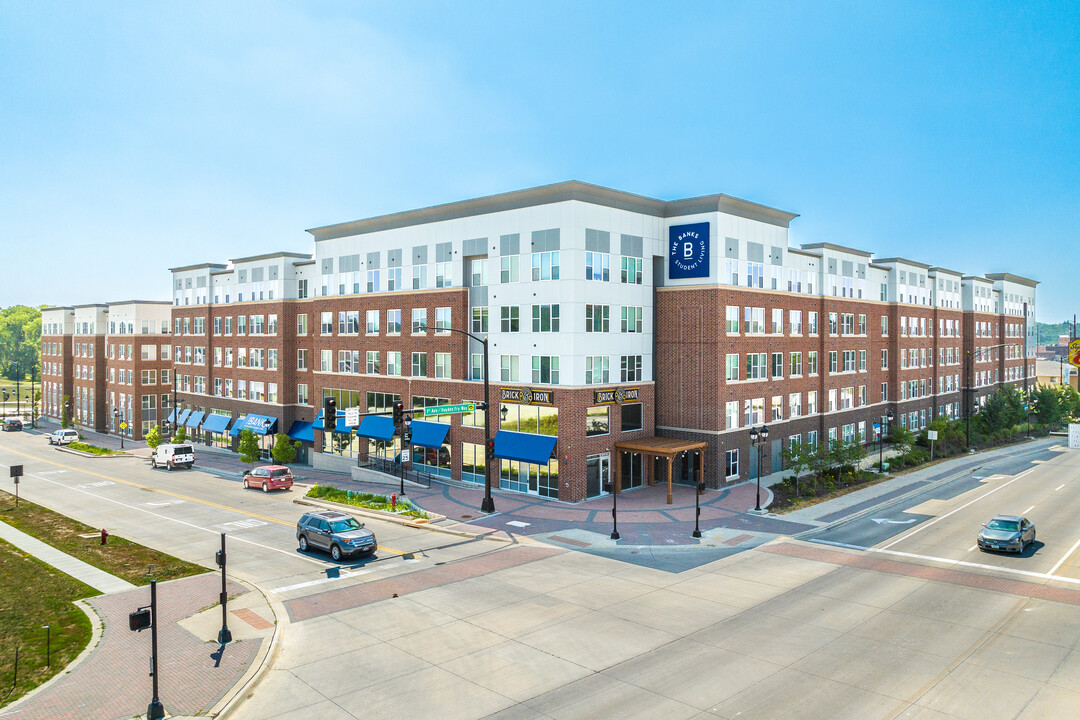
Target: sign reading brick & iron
[
  {"x": 688, "y": 250},
  {"x": 617, "y": 396},
  {"x": 526, "y": 396}
]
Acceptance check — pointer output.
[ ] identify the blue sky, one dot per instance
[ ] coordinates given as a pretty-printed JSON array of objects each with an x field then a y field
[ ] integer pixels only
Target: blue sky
[{"x": 139, "y": 136}]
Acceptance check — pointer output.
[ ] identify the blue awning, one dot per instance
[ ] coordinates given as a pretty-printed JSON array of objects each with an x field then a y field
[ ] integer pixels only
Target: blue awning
[
  {"x": 183, "y": 416},
  {"x": 525, "y": 447},
  {"x": 339, "y": 424},
  {"x": 254, "y": 423},
  {"x": 171, "y": 415},
  {"x": 429, "y": 434},
  {"x": 216, "y": 423},
  {"x": 194, "y": 419},
  {"x": 376, "y": 427},
  {"x": 302, "y": 430}
]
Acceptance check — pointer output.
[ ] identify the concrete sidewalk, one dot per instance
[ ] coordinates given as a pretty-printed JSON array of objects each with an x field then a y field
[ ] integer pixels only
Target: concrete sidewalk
[{"x": 94, "y": 577}]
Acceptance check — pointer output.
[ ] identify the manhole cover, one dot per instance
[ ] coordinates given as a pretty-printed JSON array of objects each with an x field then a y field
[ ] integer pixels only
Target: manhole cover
[{"x": 466, "y": 517}]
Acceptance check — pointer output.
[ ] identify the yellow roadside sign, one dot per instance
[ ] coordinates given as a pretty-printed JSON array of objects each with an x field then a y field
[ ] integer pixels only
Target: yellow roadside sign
[{"x": 1074, "y": 353}]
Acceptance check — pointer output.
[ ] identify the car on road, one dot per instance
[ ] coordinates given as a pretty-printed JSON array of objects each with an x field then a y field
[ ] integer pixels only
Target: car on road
[
  {"x": 12, "y": 424},
  {"x": 1011, "y": 533},
  {"x": 63, "y": 436},
  {"x": 336, "y": 532},
  {"x": 269, "y": 477},
  {"x": 173, "y": 456}
]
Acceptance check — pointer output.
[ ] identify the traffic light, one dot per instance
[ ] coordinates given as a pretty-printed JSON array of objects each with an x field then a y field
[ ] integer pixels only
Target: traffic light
[
  {"x": 140, "y": 619},
  {"x": 399, "y": 410},
  {"x": 491, "y": 449},
  {"x": 329, "y": 414}
]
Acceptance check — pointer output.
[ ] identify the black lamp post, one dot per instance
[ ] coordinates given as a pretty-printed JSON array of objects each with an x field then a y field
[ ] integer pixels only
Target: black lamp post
[
  {"x": 699, "y": 487},
  {"x": 758, "y": 439},
  {"x": 610, "y": 488},
  {"x": 116, "y": 422},
  {"x": 18, "y": 396},
  {"x": 488, "y": 504},
  {"x": 267, "y": 424},
  {"x": 888, "y": 418}
]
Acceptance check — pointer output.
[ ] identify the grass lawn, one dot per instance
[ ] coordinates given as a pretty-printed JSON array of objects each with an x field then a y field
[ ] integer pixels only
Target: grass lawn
[
  {"x": 33, "y": 594},
  {"x": 120, "y": 557}
]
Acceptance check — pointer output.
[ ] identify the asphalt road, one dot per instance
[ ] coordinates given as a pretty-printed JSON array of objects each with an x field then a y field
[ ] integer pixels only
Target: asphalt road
[{"x": 901, "y": 629}]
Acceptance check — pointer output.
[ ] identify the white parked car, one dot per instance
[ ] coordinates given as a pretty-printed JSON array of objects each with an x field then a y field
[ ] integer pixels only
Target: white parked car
[
  {"x": 63, "y": 436},
  {"x": 172, "y": 456}
]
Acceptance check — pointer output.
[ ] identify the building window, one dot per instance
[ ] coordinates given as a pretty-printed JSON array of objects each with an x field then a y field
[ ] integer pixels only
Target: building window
[
  {"x": 597, "y": 266},
  {"x": 419, "y": 277},
  {"x": 374, "y": 281},
  {"x": 631, "y": 319},
  {"x": 545, "y": 369},
  {"x": 596, "y": 318},
  {"x": 732, "y": 319},
  {"x": 545, "y": 265},
  {"x": 778, "y": 365},
  {"x": 632, "y": 417},
  {"x": 597, "y": 420},
  {"x": 732, "y": 414},
  {"x": 419, "y": 364},
  {"x": 478, "y": 272},
  {"x": 419, "y": 321},
  {"x": 508, "y": 368},
  {"x": 731, "y": 464},
  {"x": 630, "y": 368},
  {"x": 755, "y": 366},
  {"x": 508, "y": 268},
  {"x": 442, "y": 365},
  {"x": 596, "y": 369},
  {"x": 731, "y": 367},
  {"x": 479, "y": 319},
  {"x": 812, "y": 323},
  {"x": 372, "y": 362},
  {"x": 509, "y": 318},
  {"x": 477, "y": 367},
  {"x": 393, "y": 363},
  {"x": 545, "y": 318},
  {"x": 372, "y": 326},
  {"x": 393, "y": 322},
  {"x": 631, "y": 270},
  {"x": 796, "y": 364},
  {"x": 442, "y": 321},
  {"x": 443, "y": 277}
]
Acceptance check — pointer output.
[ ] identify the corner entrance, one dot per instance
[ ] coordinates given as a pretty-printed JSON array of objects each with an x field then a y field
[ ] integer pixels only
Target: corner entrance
[
  {"x": 597, "y": 474},
  {"x": 667, "y": 449}
]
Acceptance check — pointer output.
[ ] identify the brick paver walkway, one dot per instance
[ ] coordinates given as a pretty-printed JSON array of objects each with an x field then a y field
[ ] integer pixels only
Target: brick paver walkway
[
  {"x": 925, "y": 572},
  {"x": 113, "y": 682}
]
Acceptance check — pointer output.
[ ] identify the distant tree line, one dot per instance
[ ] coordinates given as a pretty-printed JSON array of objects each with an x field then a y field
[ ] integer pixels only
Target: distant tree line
[{"x": 20, "y": 342}]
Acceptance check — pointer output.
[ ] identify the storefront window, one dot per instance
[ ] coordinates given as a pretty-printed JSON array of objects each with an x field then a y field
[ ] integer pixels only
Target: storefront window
[
  {"x": 530, "y": 419},
  {"x": 632, "y": 417},
  {"x": 473, "y": 462},
  {"x": 597, "y": 420},
  {"x": 631, "y": 468},
  {"x": 435, "y": 461}
]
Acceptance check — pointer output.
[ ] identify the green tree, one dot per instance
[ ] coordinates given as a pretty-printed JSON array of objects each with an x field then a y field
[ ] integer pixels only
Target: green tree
[
  {"x": 20, "y": 341},
  {"x": 902, "y": 439},
  {"x": 153, "y": 437},
  {"x": 798, "y": 458},
  {"x": 1047, "y": 406},
  {"x": 65, "y": 412},
  {"x": 284, "y": 449},
  {"x": 1003, "y": 410},
  {"x": 249, "y": 446},
  {"x": 1070, "y": 402},
  {"x": 180, "y": 435}
]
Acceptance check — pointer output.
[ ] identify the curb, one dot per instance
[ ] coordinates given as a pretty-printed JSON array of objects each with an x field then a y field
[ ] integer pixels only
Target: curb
[
  {"x": 377, "y": 515},
  {"x": 80, "y": 453},
  {"x": 242, "y": 689},
  {"x": 900, "y": 498},
  {"x": 97, "y": 630}
]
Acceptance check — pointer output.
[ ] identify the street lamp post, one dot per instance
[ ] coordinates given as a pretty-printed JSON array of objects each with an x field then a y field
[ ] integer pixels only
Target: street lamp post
[
  {"x": 33, "y": 398},
  {"x": 882, "y": 432},
  {"x": 488, "y": 504},
  {"x": 18, "y": 396},
  {"x": 699, "y": 487},
  {"x": 757, "y": 439},
  {"x": 116, "y": 423}
]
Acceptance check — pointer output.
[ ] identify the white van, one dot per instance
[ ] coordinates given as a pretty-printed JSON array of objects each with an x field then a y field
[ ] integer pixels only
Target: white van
[
  {"x": 63, "y": 436},
  {"x": 173, "y": 456}
]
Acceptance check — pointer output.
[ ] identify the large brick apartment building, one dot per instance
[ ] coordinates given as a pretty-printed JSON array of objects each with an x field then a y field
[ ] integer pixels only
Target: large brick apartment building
[{"x": 611, "y": 319}]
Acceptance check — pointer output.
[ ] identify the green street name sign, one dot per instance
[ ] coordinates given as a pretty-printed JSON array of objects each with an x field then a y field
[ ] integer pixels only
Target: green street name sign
[{"x": 435, "y": 410}]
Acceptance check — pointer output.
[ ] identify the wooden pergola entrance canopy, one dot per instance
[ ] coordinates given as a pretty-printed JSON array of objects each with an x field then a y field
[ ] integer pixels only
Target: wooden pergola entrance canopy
[{"x": 657, "y": 447}]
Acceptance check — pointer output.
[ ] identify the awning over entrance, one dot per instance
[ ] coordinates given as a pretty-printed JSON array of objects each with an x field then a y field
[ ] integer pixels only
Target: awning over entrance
[
  {"x": 255, "y": 423},
  {"x": 171, "y": 415},
  {"x": 216, "y": 423},
  {"x": 183, "y": 416},
  {"x": 657, "y": 447},
  {"x": 376, "y": 427},
  {"x": 524, "y": 447},
  {"x": 194, "y": 419},
  {"x": 429, "y": 434},
  {"x": 302, "y": 430}
]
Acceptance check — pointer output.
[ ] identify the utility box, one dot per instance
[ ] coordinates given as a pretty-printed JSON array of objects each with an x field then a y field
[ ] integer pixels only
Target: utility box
[{"x": 1074, "y": 436}]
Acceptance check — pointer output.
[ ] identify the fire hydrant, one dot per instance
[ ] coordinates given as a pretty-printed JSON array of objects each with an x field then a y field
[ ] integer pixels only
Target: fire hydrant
[
  {"x": 393, "y": 501},
  {"x": 104, "y": 535}
]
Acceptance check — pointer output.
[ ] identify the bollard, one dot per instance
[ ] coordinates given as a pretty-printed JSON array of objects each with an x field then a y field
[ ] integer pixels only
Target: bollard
[{"x": 104, "y": 535}]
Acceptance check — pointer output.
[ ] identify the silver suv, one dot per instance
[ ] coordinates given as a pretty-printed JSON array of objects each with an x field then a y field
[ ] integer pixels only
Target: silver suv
[{"x": 340, "y": 534}]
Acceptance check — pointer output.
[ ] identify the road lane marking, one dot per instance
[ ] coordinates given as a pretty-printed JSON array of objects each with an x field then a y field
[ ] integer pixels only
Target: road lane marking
[
  {"x": 950, "y": 561},
  {"x": 1059, "y": 487},
  {"x": 928, "y": 524},
  {"x": 167, "y": 492},
  {"x": 1028, "y": 510},
  {"x": 343, "y": 576},
  {"x": 973, "y": 548},
  {"x": 1066, "y": 556}
]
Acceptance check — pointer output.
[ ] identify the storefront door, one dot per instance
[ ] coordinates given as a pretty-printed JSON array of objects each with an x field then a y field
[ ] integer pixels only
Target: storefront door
[{"x": 597, "y": 474}]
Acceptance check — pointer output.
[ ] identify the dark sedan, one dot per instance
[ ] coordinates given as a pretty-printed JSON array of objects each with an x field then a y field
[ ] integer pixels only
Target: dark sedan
[{"x": 1011, "y": 533}]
